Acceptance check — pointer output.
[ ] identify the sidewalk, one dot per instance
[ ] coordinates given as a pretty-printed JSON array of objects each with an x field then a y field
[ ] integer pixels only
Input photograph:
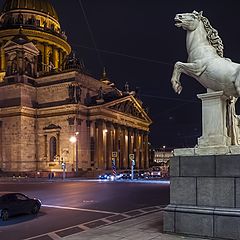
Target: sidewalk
[{"x": 146, "y": 227}]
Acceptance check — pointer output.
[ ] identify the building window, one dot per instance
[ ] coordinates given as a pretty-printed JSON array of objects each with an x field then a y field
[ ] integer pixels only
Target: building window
[
  {"x": 53, "y": 148},
  {"x": 29, "y": 69}
]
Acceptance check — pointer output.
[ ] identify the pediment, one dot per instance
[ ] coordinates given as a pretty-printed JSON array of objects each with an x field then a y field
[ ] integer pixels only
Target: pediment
[
  {"x": 131, "y": 107},
  {"x": 12, "y": 45},
  {"x": 52, "y": 126}
]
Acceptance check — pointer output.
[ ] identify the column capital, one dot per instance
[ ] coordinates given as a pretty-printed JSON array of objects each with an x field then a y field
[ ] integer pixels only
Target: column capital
[
  {"x": 130, "y": 129},
  {"x": 88, "y": 123},
  {"x": 109, "y": 124},
  {"x": 136, "y": 131},
  {"x": 99, "y": 122},
  {"x": 116, "y": 125}
]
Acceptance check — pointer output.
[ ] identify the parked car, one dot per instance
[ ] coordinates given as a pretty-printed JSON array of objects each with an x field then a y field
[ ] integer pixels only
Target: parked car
[{"x": 12, "y": 204}]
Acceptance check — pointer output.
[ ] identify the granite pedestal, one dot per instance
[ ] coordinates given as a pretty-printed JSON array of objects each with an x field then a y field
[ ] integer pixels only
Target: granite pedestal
[{"x": 204, "y": 196}]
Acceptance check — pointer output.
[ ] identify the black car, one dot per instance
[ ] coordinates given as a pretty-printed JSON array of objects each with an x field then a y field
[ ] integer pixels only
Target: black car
[{"x": 12, "y": 204}]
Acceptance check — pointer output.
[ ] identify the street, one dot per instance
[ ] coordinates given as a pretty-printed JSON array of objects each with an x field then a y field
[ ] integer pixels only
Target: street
[{"x": 67, "y": 204}]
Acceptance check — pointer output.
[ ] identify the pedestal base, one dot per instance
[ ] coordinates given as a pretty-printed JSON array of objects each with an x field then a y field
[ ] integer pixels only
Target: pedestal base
[
  {"x": 220, "y": 223},
  {"x": 204, "y": 196},
  {"x": 214, "y": 131}
]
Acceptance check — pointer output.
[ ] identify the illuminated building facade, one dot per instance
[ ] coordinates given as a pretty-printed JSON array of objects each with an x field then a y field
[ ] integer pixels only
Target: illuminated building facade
[{"x": 46, "y": 97}]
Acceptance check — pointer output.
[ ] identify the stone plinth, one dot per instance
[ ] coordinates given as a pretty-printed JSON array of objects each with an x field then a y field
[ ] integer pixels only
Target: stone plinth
[
  {"x": 204, "y": 196},
  {"x": 214, "y": 131}
]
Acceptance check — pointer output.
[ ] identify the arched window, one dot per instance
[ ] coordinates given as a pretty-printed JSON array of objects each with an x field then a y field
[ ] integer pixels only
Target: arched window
[
  {"x": 53, "y": 148},
  {"x": 29, "y": 69},
  {"x": 14, "y": 67}
]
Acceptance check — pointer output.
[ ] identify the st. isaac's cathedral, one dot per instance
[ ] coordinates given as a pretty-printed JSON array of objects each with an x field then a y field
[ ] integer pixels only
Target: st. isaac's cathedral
[{"x": 52, "y": 112}]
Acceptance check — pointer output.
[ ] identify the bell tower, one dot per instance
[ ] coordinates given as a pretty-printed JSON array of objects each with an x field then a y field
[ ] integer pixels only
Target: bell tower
[{"x": 21, "y": 59}]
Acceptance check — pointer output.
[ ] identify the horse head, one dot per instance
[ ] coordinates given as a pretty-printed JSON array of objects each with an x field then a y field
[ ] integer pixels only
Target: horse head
[{"x": 188, "y": 21}]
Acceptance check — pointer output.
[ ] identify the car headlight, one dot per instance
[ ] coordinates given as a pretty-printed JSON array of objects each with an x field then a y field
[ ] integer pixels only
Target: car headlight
[{"x": 112, "y": 178}]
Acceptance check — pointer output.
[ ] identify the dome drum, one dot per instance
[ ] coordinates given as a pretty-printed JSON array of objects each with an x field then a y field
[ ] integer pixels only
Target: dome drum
[
  {"x": 29, "y": 20},
  {"x": 38, "y": 21},
  {"x": 43, "y": 6}
]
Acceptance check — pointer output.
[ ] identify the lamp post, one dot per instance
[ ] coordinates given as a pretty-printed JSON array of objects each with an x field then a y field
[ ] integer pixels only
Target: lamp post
[
  {"x": 164, "y": 147},
  {"x": 74, "y": 139}
]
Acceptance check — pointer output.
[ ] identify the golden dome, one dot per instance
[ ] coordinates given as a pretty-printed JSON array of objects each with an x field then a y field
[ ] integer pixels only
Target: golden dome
[{"x": 44, "y": 6}]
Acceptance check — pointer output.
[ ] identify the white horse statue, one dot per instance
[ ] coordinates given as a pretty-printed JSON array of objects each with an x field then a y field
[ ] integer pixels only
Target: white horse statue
[{"x": 206, "y": 63}]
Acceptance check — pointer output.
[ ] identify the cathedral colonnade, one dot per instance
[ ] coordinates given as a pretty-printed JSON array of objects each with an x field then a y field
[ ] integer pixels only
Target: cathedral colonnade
[{"x": 109, "y": 137}]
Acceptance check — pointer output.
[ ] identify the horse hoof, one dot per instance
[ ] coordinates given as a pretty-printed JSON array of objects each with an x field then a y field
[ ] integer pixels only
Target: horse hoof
[{"x": 179, "y": 90}]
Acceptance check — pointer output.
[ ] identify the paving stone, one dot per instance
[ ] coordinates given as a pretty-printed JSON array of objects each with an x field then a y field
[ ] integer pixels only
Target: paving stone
[{"x": 69, "y": 231}]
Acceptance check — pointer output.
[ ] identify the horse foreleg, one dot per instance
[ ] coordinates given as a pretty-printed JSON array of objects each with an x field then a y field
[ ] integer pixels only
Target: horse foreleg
[
  {"x": 191, "y": 69},
  {"x": 176, "y": 84}
]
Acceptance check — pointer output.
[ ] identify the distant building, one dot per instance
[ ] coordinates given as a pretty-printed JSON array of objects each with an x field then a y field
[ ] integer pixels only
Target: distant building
[
  {"x": 161, "y": 160},
  {"x": 162, "y": 155},
  {"x": 47, "y": 99}
]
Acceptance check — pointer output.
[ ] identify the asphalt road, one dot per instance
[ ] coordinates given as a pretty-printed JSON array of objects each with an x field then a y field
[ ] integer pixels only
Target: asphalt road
[{"x": 67, "y": 204}]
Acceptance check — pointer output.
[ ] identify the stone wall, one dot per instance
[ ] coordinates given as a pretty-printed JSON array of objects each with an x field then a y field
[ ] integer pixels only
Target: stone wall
[
  {"x": 204, "y": 196},
  {"x": 18, "y": 144}
]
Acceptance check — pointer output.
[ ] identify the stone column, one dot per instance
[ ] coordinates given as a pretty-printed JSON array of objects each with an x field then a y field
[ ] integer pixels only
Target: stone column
[
  {"x": 58, "y": 144},
  {"x": 88, "y": 144},
  {"x": 55, "y": 57},
  {"x": 60, "y": 58},
  {"x": 146, "y": 163},
  {"x": 214, "y": 131},
  {"x": 116, "y": 147},
  {"x": 104, "y": 145},
  {"x": 3, "y": 60},
  {"x": 100, "y": 145},
  {"x": 45, "y": 57},
  {"x": 96, "y": 146},
  {"x": 135, "y": 148},
  {"x": 141, "y": 146},
  {"x": 125, "y": 147},
  {"x": 109, "y": 146},
  {"x": 92, "y": 143},
  {"x": 137, "y": 159},
  {"x": 130, "y": 145},
  {"x": 122, "y": 148}
]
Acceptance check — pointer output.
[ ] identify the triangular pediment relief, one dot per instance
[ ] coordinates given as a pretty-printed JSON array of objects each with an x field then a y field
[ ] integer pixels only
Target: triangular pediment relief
[
  {"x": 29, "y": 45},
  {"x": 129, "y": 106},
  {"x": 10, "y": 44}
]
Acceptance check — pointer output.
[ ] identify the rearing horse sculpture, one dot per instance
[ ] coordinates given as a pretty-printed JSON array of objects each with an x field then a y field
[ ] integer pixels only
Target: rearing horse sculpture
[{"x": 205, "y": 60}]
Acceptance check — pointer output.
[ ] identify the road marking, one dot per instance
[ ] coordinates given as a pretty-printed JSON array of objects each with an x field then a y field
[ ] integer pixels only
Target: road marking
[
  {"x": 79, "y": 209},
  {"x": 85, "y": 228},
  {"x": 54, "y": 236}
]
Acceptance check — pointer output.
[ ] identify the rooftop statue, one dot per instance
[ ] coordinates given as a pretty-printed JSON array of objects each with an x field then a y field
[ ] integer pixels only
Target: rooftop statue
[{"x": 207, "y": 64}]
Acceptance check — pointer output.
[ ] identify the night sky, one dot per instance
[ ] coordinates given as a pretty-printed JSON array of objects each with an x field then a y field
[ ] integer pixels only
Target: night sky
[{"x": 139, "y": 44}]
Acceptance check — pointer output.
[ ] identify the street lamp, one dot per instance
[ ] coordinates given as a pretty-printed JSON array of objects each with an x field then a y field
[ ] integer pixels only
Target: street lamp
[{"x": 74, "y": 139}]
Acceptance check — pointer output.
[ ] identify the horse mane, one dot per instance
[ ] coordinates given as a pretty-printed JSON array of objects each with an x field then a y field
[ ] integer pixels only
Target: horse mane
[{"x": 213, "y": 37}]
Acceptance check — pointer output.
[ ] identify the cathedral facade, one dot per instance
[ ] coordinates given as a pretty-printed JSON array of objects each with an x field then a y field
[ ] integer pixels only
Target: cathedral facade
[{"x": 54, "y": 115}]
